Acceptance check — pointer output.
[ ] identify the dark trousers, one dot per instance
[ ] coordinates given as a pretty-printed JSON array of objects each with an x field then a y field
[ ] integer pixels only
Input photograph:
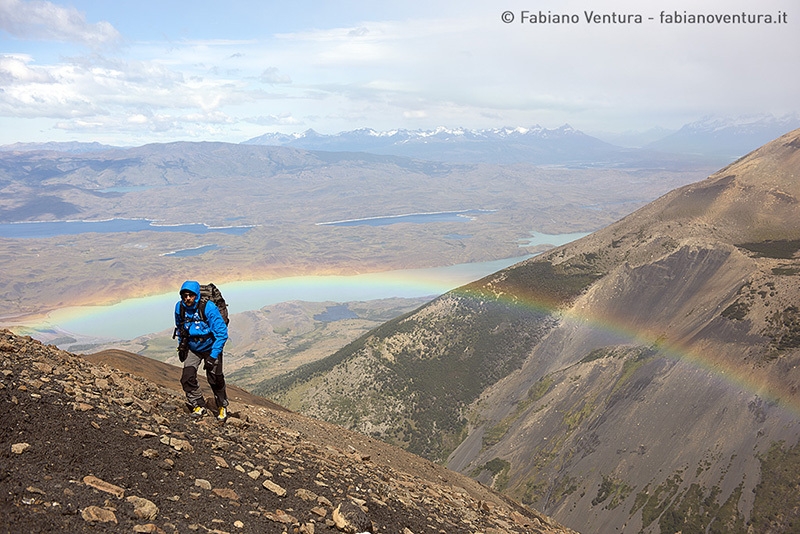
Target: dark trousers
[{"x": 214, "y": 375}]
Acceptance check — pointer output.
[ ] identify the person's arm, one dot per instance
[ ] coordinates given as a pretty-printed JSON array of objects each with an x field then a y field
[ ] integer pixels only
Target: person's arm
[
  {"x": 218, "y": 327},
  {"x": 183, "y": 348},
  {"x": 178, "y": 324}
]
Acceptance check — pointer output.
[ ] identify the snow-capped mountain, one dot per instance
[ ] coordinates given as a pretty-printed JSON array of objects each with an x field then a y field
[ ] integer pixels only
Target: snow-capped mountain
[
  {"x": 713, "y": 140},
  {"x": 564, "y": 145},
  {"x": 727, "y": 137}
]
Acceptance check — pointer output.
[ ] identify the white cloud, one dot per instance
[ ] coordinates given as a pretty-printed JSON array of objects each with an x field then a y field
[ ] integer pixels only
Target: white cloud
[
  {"x": 271, "y": 75},
  {"x": 97, "y": 86},
  {"x": 39, "y": 19},
  {"x": 464, "y": 69},
  {"x": 280, "y": 119}
]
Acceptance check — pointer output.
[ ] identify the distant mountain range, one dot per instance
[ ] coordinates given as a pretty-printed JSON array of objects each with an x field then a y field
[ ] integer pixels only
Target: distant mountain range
[
  {"x": 710, "y": 140},
  {"x": 564, "y": 145},
  {"x": 727, "y": 138},
  {"x": 713, "y": 140}
]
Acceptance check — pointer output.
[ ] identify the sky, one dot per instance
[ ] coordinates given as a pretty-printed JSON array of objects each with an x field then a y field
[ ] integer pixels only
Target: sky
[{"x": 125, "y": 72}]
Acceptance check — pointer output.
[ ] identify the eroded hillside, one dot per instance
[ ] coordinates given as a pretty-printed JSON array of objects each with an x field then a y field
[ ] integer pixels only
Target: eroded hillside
[{"x": 655, "y": 371}]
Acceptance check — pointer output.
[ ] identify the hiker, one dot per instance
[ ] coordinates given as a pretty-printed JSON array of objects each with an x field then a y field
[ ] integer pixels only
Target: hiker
[{"x": 202, "y": 333}]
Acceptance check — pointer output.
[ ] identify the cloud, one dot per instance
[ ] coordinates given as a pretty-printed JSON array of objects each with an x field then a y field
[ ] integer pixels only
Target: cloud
[
  {"x": 190, "y": 124},
  {"x": 41, "y": 20},
  {"x": 29, "y": 91},
  {"x": 283, "y": 119},
  {"x": 273, "y": 76},
  {"x": 426, "y": 68},
  {"x": 97, "y": 86},
  {"x": 416, "y": 114}
]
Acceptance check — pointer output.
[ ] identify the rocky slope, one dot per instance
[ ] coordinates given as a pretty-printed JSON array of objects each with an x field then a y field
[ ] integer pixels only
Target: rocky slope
[
  {"x": 86, "y": 447},
  {"x": 642, "y": 379}
]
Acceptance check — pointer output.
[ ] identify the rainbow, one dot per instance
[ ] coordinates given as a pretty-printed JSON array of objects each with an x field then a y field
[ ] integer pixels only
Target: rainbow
[
  {"x": 135, "y": 317},
  {"x": 738, "y": 377}
]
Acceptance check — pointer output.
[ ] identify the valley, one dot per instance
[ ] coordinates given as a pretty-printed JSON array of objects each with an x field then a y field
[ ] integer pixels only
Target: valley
[
  {"x": 280, "y": 194},
  {"x": 639, "y": 379}
]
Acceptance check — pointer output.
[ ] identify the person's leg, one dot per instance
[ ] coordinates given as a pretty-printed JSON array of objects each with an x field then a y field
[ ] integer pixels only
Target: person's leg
[
  {"x": 216, "y": 379},
  {"x": 191, "y": 387}
]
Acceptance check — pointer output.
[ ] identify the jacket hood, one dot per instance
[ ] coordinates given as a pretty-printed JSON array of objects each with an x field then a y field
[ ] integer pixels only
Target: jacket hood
[{"x": 191, "y": 285}]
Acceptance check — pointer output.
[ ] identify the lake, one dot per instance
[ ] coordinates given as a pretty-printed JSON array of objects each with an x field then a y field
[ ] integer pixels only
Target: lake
[
  {"x": 414, "y": 218},
  {"x": 43, "y": 229},
  {"x": 135, "y": 317},
  {"x": 537, "y": 239},
  {"x": 189, "y": 252}
]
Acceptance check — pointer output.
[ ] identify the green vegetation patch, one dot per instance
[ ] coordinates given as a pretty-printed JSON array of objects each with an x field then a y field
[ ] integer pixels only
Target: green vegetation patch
[
  {"x": 598, "y": 354},
  {"x": 695, "y": 509},
  {"x": 779, "y": 249},
  {"x": 777, "y": 496},
  {"x": 783, "y": 327},
  {"x": 564, "y": 488},
  {"x": 575, "y": 417},
  {"x": 786, "y": 271},
  {"x": 533, "y": 489},
  {"x": 494, "y": 434},
  {"x": 540, "y": 388},
  {"x": 496, "y": 465},
  {"x": 656, "y": 502},
  {"x": 736, "y": 311},
  {"x": 499, "y": 468},
  {"x": 613, "y": 490},
  {"x": 632, "y": 364},
  {"x": 540, "y": 283}
]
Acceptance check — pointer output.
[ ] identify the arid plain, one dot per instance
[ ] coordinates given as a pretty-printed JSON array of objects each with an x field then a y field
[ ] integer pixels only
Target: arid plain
[{"x": 282, "y": 194}]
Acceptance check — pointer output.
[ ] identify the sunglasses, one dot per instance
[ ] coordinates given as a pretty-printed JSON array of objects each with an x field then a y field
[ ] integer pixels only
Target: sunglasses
[{"x": 188, "y": 296}]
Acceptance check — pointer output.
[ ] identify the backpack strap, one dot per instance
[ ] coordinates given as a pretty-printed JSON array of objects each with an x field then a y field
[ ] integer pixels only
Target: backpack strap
[{"x": 201, "y": 310}]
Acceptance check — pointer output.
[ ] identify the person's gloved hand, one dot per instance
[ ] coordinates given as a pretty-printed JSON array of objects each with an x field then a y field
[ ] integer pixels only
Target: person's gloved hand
[
  {"x": 183, "y": 352},
  {"x": 209, "y": 362}
]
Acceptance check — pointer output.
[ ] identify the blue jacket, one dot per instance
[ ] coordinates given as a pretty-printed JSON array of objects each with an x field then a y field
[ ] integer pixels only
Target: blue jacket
[{"x": 207, "y": 336}]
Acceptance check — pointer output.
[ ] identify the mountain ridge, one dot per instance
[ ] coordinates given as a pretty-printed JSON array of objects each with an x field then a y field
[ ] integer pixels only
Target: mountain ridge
[
  {"x": 563, "y": 145},
  {"x": 726, "y": 136},
  {"x": 713, "y": 136},
  {"x": 712, "y": 139},
  {"x": 645, "y": 329}
]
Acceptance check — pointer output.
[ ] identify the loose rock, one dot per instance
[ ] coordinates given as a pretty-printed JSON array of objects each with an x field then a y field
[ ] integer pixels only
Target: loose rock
[
  {"x": 95, "y": 514},
  {"x": 142, "y": 508}
]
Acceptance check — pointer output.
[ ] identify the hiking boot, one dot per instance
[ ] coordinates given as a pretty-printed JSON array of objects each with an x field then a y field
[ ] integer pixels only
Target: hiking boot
[
  {"x": 198, "y": 412},
  {"x": 223, "y": 414}
]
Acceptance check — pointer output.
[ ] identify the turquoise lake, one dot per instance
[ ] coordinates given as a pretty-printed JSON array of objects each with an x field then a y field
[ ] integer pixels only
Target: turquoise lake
[{"x": 135, "y": 317}]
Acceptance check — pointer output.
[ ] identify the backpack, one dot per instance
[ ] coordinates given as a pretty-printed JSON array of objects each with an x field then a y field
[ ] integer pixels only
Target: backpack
[{"x": 209, "y": 292}]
